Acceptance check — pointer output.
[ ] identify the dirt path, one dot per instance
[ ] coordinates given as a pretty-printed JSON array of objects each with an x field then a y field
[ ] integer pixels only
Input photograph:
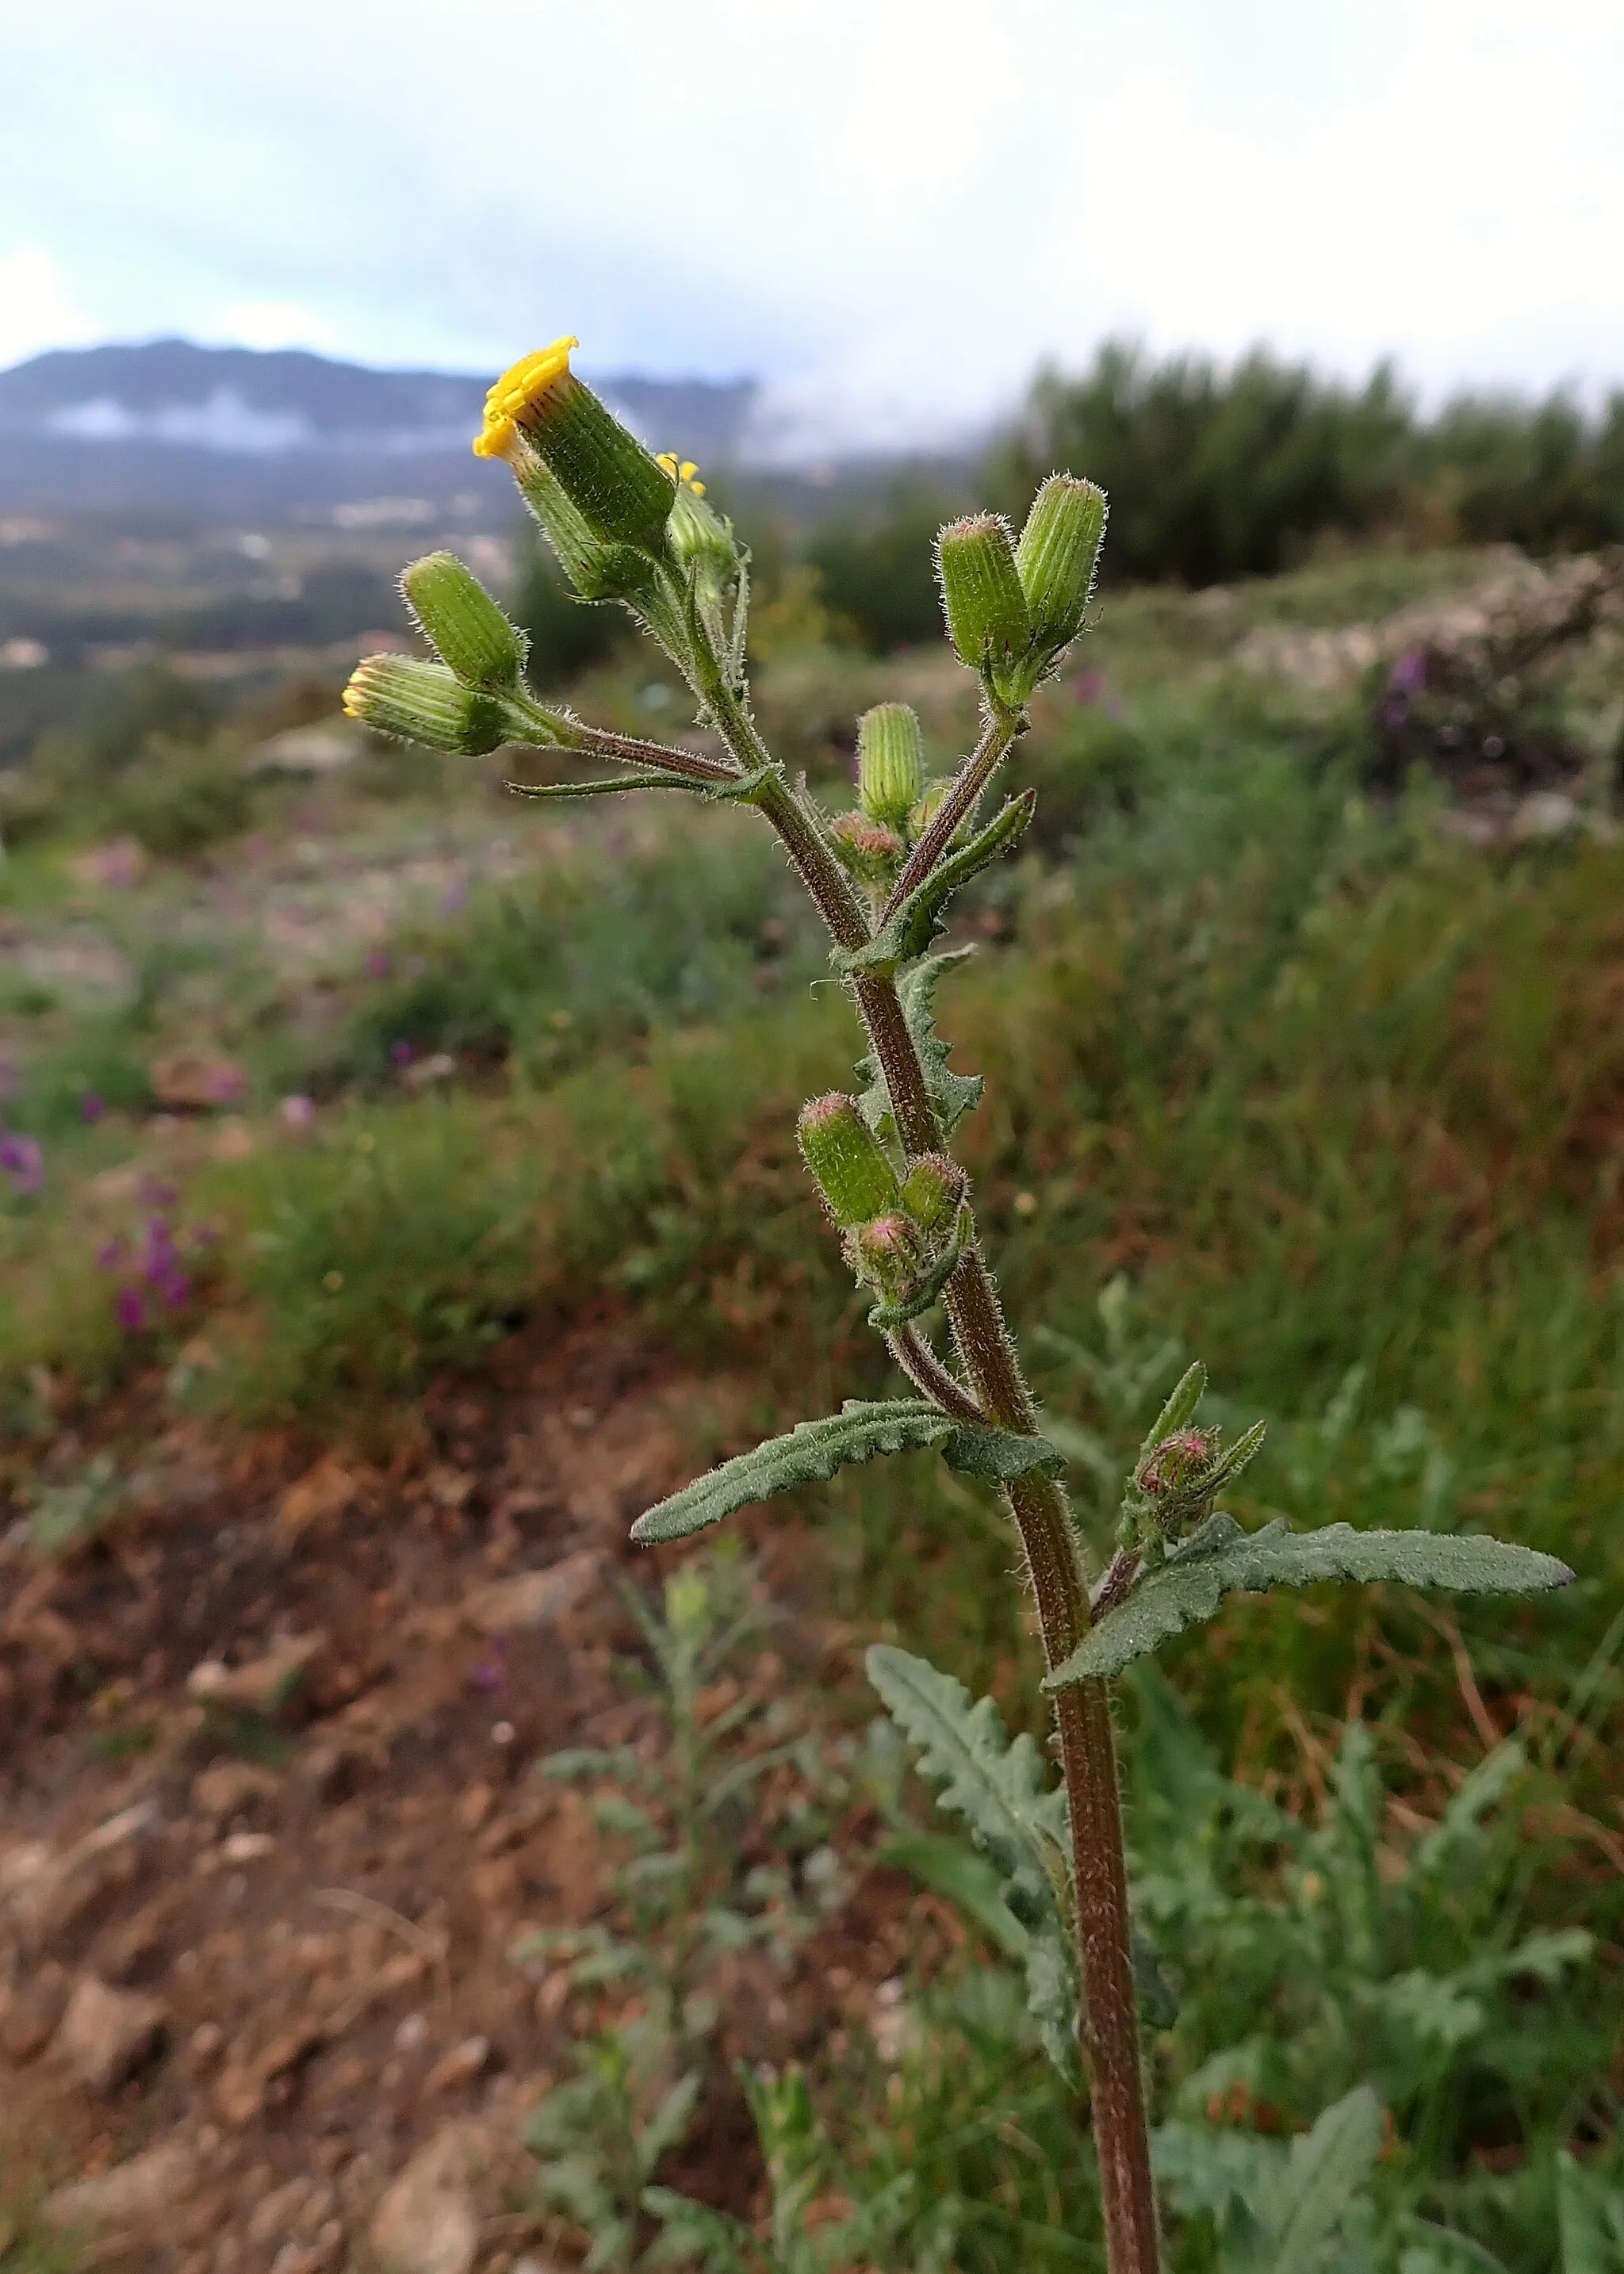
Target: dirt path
[{"x": 268, "y": 1828}]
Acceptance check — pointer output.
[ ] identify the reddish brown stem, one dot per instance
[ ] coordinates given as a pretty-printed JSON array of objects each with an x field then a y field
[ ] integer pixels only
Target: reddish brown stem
[{"x": 1110, "y": 2028}]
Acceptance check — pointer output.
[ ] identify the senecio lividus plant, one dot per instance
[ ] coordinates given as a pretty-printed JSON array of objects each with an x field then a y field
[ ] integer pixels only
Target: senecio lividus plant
[{"x": 635, "y": 528}]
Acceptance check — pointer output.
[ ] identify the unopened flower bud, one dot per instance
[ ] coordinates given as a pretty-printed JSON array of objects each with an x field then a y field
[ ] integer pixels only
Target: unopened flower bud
[
  {"x": 934, "y": 1190},
  {"x": 471, "y": 632},
  {"x": 867, "y": 848},
  {"x": 1058, "y": 557},
  {"x": 888, "y": 1253},
  {"x": 890, "y": 763},
  {"x": 424, "y": 703},
  {"x": 981, "y": 594},
  {"x": 697, "y": 534},
  {"x": 853, "y": 1172},
  {"x": 1176, "y": 1464},
  {"x": 621, "y": 493}
]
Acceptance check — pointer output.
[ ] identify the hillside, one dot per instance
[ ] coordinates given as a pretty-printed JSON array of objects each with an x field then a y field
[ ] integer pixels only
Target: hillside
[{"x": 222, "y": 434}]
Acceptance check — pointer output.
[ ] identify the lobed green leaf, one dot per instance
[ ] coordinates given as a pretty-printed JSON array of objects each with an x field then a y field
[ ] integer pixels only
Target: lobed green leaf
[
  {"x": 953, "y": 1095},
  {"x": 1221, "y": 1559},
  {"x": 811, "y": 1453},
  {"x": 1000, "y": 1790}
]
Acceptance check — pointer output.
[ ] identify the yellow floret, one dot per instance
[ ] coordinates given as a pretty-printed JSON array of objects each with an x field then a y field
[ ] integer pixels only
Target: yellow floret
[
  {"x": 683, "y": 470},
  {"x": 520, "y": 386}
]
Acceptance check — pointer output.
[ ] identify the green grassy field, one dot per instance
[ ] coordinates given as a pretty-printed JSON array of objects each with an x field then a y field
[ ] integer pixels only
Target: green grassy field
[{"x": 1280, "y": 1074}]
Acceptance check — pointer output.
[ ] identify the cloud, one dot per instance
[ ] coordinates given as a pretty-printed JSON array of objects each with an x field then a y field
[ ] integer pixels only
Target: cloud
[
  {"x": 37, "y": 308},
  {"x": 273, "y": 324},
  {"x": 888, "y": 208}
]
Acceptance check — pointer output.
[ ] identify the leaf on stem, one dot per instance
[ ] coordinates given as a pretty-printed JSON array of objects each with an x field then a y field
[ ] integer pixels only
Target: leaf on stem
[
  {"x": 813, "y": 1451},
  {"x": 1221, "y": 1559},
  {"x": 1000, "y": 1790},
  {"x": 606, "y": 788},
  {"x": 906, "y": 935}
]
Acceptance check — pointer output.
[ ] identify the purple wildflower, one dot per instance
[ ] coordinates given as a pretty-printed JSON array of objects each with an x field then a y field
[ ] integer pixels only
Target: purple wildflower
[
  {"x": 298, "y": 1111},
  {"x": 131, "y": 1310},
  {"x": 402, "y": 1053},
  {"x": 91, "y": 1107},
  {"x": 377, "y": 965},
  {"x": 23, "y": 1160}
]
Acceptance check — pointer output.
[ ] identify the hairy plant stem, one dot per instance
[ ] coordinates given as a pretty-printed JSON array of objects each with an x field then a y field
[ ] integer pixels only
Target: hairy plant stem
[
  {"x": 1110, "y": 2026},
  {"x": 1000, "y": 728},
  {"x": 564, "y": 732}
]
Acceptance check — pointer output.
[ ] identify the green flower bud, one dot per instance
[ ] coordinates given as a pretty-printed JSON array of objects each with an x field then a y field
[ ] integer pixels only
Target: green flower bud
[
  {"x": 981, "y": 595},
  {"x": 697, "y": 534},
  {"x": 890, "y": 763},
  {"x": 853, "y": 1172},
  {"x": 1058, "y": 555},
  {"x": 622, "y": 495},
  {"x": 424, "y": 703},
  {"x": 888, "y": 1253},
  {"x": 872, "y": 852},
  {"x": 456, "y": 613},
  {"x": 934, "y": 1190}
]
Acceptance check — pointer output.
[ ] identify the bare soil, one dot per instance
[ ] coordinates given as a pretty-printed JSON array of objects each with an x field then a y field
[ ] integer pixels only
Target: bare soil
[{"x": 267, "y": 1781}]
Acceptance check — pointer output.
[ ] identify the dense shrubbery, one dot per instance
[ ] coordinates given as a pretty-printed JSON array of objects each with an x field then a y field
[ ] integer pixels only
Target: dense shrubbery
[{"x": 1215, "y": 475}]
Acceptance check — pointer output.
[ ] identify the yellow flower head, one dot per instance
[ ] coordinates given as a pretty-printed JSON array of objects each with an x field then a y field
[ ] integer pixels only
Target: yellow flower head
[
  {"x": 524, "y": 383},
  {"x": 681, "y": 471}
]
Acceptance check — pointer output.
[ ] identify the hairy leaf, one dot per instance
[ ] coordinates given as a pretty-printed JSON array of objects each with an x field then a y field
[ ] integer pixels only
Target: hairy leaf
[
  {"x": 812, "y": 1450},
  {"x": 1590, "y": 2217},
  {"x": 976, "y": 1448},
  {"x": 1221, "y": 1559},
  {"x": 974, "y": 1883},
  {"x": 908, "y": 933},
  {"x": 647, "y": 779},
  {"x": 1327, "y": 2167},
  {"x": 999, "y": 1789},
  {"x": 953, "y": 1095}
]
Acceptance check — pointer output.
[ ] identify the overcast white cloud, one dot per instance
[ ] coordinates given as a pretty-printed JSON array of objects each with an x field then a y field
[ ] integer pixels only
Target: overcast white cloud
[{"x": 890, "y": 208}]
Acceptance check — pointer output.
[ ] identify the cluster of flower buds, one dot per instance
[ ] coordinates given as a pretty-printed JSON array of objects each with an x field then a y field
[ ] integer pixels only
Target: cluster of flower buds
[
  {"x": 1013, "y": 607},
  {"x": 1179, "y": 1473},
  {"x": 474, "y": 699},
  {"x": 895, "y": 1228},
  {"x": 895, "y": 801}
]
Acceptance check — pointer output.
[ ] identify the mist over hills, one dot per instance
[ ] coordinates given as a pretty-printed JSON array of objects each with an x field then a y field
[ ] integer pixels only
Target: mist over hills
[{"x": 229, "y": 433}]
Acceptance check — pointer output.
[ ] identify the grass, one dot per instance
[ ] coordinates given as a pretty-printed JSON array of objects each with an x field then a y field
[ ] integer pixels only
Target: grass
[{"x": 1277, "y": 1075}]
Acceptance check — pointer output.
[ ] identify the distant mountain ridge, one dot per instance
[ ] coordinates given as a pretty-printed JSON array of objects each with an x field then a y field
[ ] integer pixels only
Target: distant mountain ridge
[{"x": 222, "y": 432}]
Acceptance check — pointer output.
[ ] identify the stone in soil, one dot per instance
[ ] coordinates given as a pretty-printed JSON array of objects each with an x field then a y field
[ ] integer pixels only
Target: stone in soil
[
  {"x": 107, "y": 2034},
  {"x": 139, "y": 2190}
]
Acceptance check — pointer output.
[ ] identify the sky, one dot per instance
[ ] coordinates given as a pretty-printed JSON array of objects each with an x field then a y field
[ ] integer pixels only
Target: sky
[{"x": 890, "y": 211}]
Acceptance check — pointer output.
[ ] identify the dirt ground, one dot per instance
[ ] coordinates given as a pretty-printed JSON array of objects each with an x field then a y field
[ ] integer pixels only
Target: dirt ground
[{"x": 269, "y": 1832}]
